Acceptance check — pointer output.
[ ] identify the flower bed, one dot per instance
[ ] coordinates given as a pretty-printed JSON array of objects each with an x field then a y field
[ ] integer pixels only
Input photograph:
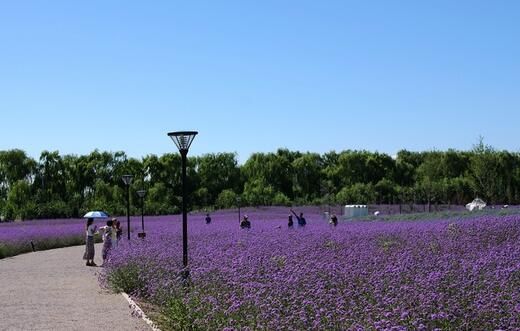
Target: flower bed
[{"x": 445, "y": 274}]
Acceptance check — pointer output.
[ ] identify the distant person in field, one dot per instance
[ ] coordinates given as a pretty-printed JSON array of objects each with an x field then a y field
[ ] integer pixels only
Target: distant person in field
[
  {"x": 290, "y": 222},
  {"x": 90, "y": 231},
  {"x": 301, "y": 219},
  {"x": 208, "y": 219},
  {"x": 334, "y": 220},
  {"x": 107, "y": 240},
  {"x": 245, "y": 224},
  {"x": 115, "y": 240}
]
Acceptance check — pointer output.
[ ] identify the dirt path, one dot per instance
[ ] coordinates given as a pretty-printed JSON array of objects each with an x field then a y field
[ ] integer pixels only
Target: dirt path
[{"x": 54, "y": 290}]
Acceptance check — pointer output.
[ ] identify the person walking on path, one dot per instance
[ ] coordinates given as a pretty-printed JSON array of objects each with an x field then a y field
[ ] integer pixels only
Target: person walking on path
[
  {"x": 301, "y": 219},
  {"x": 91, "y": 230}
]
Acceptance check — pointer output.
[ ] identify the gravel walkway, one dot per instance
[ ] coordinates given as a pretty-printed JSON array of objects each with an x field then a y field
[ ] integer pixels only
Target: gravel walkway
[{"x": 54, "y": 290}]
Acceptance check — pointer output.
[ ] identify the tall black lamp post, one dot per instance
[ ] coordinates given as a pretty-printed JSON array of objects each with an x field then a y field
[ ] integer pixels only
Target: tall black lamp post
[
  {"x": 127, "y": 179},
  {"x": 183, "y": 140},
  {"x": 141, "y": 194},
  {"x": 238, "y": 204}
]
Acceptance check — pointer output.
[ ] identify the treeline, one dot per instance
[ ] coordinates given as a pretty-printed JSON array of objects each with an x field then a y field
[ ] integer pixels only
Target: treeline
[{"x": 69, "y": 185}]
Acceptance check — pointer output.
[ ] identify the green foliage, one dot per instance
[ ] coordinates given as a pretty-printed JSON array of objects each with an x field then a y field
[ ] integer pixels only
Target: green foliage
[
  {"x": 281, "y": 199},
  {"x": 179, "y": 314},
  {"x": 226, "y": 199},
  {"x": 258, "y": 192},
  {"x": 54, "y": 209},
  {"x": 159, "y": 200},
  {"x": 218, "y": 172},
  {"x": 126, "y": 279},
  {"x": 69, "y": 185},
  {"x": 358, "y": 193}
]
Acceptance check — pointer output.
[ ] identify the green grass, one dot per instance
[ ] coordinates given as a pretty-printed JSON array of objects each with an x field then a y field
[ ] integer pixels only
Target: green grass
[{"x": 439, "y": 215}]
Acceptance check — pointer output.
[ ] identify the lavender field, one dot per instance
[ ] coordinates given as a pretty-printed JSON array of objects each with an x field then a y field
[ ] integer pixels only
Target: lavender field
[
  {"x": 16, "y": 238},
  {"x": 453, "y": 274}
]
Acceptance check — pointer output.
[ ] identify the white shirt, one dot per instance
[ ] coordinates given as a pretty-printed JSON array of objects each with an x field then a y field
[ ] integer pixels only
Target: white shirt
[{"x": 91, "y": 230}]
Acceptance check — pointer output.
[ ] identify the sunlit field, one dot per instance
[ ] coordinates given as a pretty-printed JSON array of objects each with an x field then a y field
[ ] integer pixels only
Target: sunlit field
[
  {"x": 460, "y": 272},
  {"x": 452, "y": 274}
]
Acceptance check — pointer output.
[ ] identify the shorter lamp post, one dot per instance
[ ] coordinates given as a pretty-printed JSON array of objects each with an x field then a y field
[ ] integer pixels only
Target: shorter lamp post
[
  {"x": 141, "y": 194},
  {"x": 238, "y": 204},
  {"x": 127, "y": 179}
]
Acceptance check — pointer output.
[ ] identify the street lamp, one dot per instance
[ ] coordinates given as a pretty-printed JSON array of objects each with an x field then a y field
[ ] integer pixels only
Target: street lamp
[
  {"x": 141, "y": 194},
  {"x": 127, "y": 179},
  {"x": 238, "y": 204},
  {"x": 183, "y": 140}
]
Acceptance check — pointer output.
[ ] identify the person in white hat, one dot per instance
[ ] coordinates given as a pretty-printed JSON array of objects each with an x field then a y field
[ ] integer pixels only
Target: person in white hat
[{"x": 245, "y": 224}]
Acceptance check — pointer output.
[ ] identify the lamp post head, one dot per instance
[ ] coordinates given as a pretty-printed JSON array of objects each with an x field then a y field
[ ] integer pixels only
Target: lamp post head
[
  {"x": 141, "y": 193},
  {"x": 183, "y": 139},
  {"x": 127, "y": 179}
]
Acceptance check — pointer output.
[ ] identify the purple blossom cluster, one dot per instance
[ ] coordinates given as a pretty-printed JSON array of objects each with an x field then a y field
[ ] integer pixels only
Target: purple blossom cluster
[{"x": 423, "y": 275}]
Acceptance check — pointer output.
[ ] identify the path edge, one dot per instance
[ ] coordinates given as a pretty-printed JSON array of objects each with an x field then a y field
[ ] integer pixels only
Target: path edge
[{"x": 140, "y": 312}]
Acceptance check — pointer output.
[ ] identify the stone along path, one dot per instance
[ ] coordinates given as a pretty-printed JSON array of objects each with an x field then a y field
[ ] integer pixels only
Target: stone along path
[{"x": 54, "y": 290}]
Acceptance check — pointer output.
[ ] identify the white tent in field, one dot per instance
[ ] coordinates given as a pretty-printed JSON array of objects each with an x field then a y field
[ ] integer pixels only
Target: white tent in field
[
  {"x": 355, "y": 211},
  {"x": 477, "y": 204}
]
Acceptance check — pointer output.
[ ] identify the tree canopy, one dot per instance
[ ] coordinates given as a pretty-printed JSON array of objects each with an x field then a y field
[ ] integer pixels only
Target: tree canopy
[{"x": 68, "y": 185}]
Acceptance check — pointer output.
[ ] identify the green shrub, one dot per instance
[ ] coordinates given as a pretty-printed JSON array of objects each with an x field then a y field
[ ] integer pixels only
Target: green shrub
[{"x": 126, "y": 278}]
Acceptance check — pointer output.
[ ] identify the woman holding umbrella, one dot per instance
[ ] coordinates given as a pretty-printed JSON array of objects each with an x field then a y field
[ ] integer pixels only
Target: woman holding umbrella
[{"x": 91, "y": 230}]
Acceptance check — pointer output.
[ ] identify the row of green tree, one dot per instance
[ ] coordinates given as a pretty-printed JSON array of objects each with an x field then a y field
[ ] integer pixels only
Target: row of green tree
[{"x": 69, "y": 185}]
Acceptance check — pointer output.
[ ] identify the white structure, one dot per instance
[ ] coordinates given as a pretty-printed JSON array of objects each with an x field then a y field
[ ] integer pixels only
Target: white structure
[
  {"x": 326, "y": 216},
  {"x": 477, "y": 204},
  {"x": 355, "y": 211}
]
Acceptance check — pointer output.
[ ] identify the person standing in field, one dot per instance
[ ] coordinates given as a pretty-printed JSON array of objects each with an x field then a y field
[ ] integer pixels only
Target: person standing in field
[
  {"x": 301, "y": 220},
  {"x": 208, "y": 219},
  {"x": 90, "y": 230},
  {"x": 114, "y": 233},
  {"x": 334, "y": 220},
  {"x": 107, "y": 240},
  {"x": 119, "y": 231},
  {"x": 245, "y": 224},
  {"x": 290, "y": 222}
]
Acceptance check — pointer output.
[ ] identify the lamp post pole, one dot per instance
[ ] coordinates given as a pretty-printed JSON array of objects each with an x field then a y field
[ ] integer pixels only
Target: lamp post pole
[
  {"x": 128, "y": 209},
  {"x": 238, "y": 203},
  {"x": 184, "y": 212},
  {"x": 183, "y": 140},
  {"x": 127, "y": 179}
]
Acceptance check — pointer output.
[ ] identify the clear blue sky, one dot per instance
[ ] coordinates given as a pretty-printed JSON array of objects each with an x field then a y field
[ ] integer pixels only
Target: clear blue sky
[{"x": 259, "y": 75}]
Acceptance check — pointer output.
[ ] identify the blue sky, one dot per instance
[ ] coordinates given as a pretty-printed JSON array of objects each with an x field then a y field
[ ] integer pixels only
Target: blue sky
[{"x": 258, "y": 75}]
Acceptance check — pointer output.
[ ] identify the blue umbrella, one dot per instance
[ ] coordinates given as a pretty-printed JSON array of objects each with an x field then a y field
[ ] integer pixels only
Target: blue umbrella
[{"x": 96, "y": 214}]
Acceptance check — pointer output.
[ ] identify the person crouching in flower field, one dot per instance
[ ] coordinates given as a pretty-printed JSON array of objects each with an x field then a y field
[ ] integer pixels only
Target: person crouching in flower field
[
  {"x": 107, "y": 239},
  {"x": 90, "y": 230}
]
